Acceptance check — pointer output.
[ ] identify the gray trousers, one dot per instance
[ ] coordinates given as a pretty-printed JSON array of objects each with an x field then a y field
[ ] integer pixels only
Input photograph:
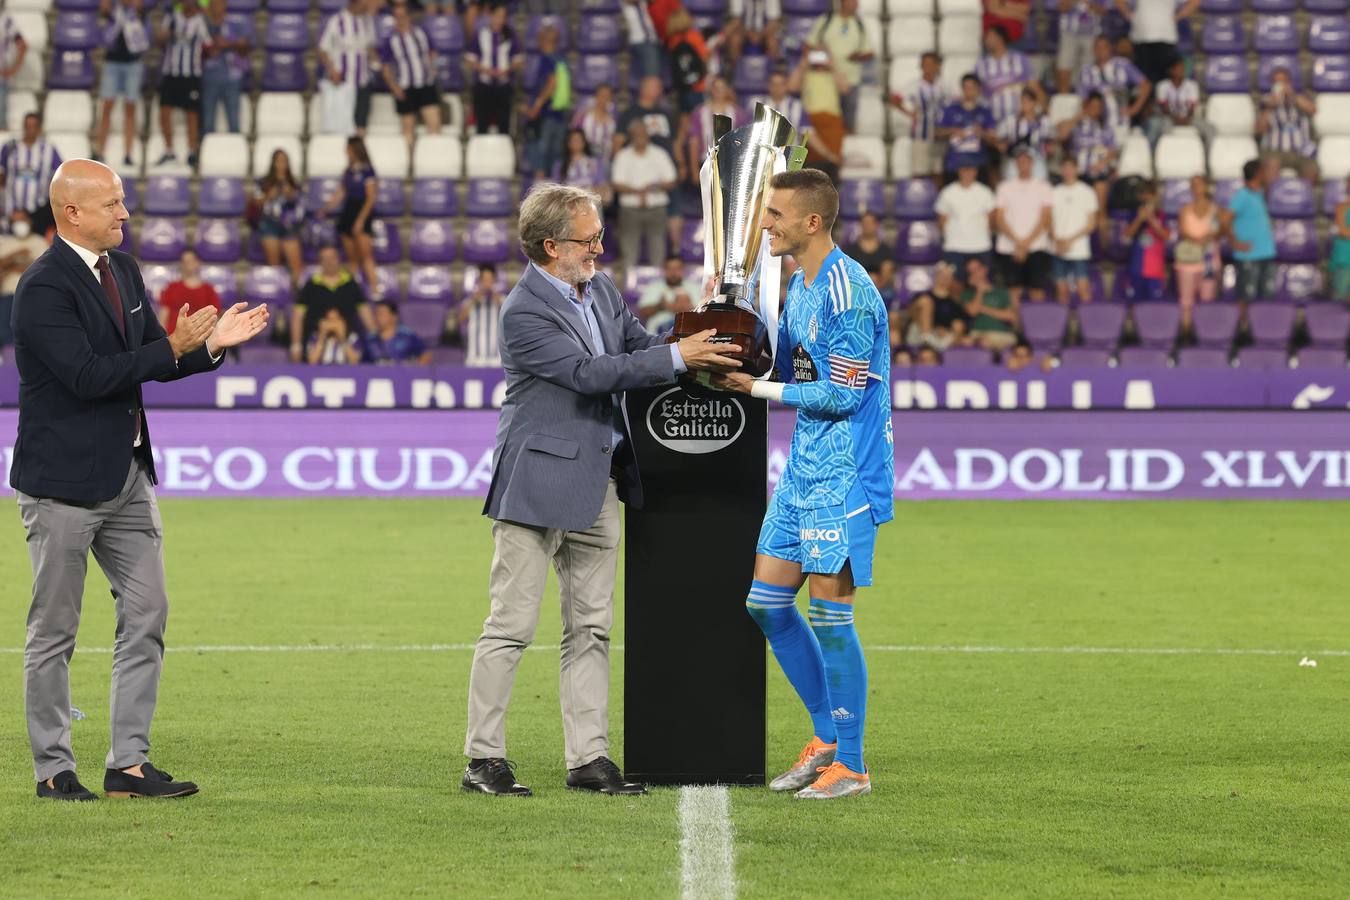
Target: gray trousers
[
  {"x": 586, "y": 563},
  {"x": 126, "y": 535},
  {"x": 647, "y": 225}
]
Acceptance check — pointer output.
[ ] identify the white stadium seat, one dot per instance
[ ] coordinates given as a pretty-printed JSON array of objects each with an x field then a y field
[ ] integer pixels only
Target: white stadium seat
[
  {"x": 902, "y": 158},
  {"x": 438, "y": 156},
  {"x": 454, "y": 121},
  {"x": 959, "y": 35},
  {"x": 864, "y": 157},
  {"x": 154, "y": 149},
  {"x": 40, "y": 6},
  {"x": 33, "y": 26},
  {"x": 1064, "y": 107},
  {"x": 326, "y": 156},
  {"x": 1180, "y": 154},
  {"x": 972, "y": 8},
  {"x": 1232, "y": 114},
  {"x": 490, "y": 156},
  {"x": 68, "y": 111},
  {"x": 21, "y": 103},
  {"x": 1136, "y": 157},
  {"x": 1333, "y": 114},
  {"x": 262, "y": 154},
  {"x": 956, "y": 66},
  {"x": 910, "y": 35},
  {"x": 903, "y": 70},
  {"x": 1333, "y": 157},
  {"x": 1228, "y": 154},
  {"x": 384, "y": 117},
  {"x": 224, "y": 155},
  {"x": 871, "y": 8},
  {"x": 281, "y": 113},
  {"x": 871, "y": 117},
  {"x": 910, "y": 8},
  {"x": 70, "y": 144},
  {"x": 388, "y": 154},
  {"x": 30, "y": 76}
]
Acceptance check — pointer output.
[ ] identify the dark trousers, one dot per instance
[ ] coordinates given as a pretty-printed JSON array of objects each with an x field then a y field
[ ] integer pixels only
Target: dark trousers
[
  {"x": 492, "y": 106},
  {"x": 1154, "y": 60}
]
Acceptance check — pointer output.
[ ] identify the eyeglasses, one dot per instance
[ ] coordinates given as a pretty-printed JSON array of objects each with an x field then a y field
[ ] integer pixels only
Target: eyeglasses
[{"x": 592, "y": 243}]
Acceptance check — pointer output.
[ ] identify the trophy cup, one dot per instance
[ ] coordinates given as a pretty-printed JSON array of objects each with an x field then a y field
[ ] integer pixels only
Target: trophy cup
[{"x": 736, "y": 177}]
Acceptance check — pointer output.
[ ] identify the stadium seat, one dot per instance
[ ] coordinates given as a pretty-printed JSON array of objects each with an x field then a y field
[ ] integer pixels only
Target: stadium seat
[
  {"x": 226, "y": 155},
  {"x": 445, "y": 34},
  {"x": 1228, "y": 154},
  {"x": 71, "y": 70},
  {"x": 865, "y": 157},
  {"x": 1226, "y": 75},
  {"x": 437, "y": 156},
  {"x": 223, "y": 279},
  {"x": 387, "y": 242},
  {"x": 389, "y": 202},
  {"x": 1222, "y": 7},
  {"x": 913, "y": 280},
  {"x": 384, "y": 118},
  {"x": 486, "y": 241},
  {"x": 1099, "y": 324},
  {"x": 427, "y": 320},
  {"x": 74, "y": 31},
  {"x": 1274, "y": 6},
  {"x": 1157, "y": 324},
  {"x": 268, "y": 284},
  {"x": 920, "y": 243},
  {"x": 21, "y": 103},
  {"x": 1276, "y": 34},
  {"x": 1215, "y": 324},
  {"x": 871, "y": 114},
  {"x": 1136, "y": 157},
  {"x": 33, "y": 26},
  {"x": 1331, "y": 74},
  {"x": 1329, "y": 34},
  {"x": 288, "y": 6},
  {"x": 281, "y": 112},
  {"x": 318, "y": 190},
  {"x": 1296, "y": 241},
  {"x": 162, "y": 240},
  {"x": 67, "y": 111},
  {"x": 156, "y": 277},
  {"x": 435, "y": 198},
  {"x": 1326, "y": 6},
  {"x": 954, "y": 66},
  {"x": 430, "y": 284},
  {"x": 70, "y": 144},
  {"x": 959, "y": 36},
  {"x": 432, "y": 241},
  {"x": 488, "y": 156},
  {"x": 262, "y": 154},
  {"x": 1230, "y": 114},
  {"x": 1176, "y": 193},
  {"x": 1291, "y": 198},
  {"x": 321, "y": 233},
  {"x": 594, "y": 70},
  {"x": 1333, "y": 156},
  {"x": 1043, "y": 325},
  {"x": 1298, "y": 283},
  {"x": 967, "y": 357},
  {"x": 861, "y": 196},
  {"x": 234, "y": 6},
  {"x": 790, "y": 7},
  {"x": 326, "y": 156},
  {"x": 1180, "y": 154},
  {"x": 41, "y": 6},
  {"x": 245, "y": 24},
  {"x": 1333, "y": 114},
  {"x": 1202, "y": 358},
  {"x": 489, "y": 198},
  {"x": 1271, "y": 324},
  {"x": 388, "y": 154},
  {"x": 1268, "y": 63},
  {"x": 1321, "y": 358},
  {"x": 691, "y": 241},
  {"x": 1328, "y": 324},
  {"x": 910, "y": 35},
  {"x": 1084, "y": 358},
  {"x": 599, "y": 33},
  {"x": 1141, "y": 357},
  {"x": 1064, "y": 107},
  {"x": 218, "y": 240},
  {"x": 914, "y": 199},
  {"x": 167, "y": 195},
  {"x": 286, "y": 32},
  {"x": 1223, "y": 35},
  {"x": 285, "y": 72},
  {"x": 1263, "y": 358},
  {"x": 536, "y": 24}
]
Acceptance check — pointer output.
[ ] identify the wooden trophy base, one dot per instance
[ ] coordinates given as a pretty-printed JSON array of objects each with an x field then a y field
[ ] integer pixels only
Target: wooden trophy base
[{"x": 735, "y": 325}]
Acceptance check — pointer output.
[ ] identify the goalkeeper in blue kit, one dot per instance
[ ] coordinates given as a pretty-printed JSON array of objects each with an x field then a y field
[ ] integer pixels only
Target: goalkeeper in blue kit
[{"x": 834, "y": 348}]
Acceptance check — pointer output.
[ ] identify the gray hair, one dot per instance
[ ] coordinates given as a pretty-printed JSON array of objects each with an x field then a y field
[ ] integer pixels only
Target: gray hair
[{"x": 547, "y": 214}]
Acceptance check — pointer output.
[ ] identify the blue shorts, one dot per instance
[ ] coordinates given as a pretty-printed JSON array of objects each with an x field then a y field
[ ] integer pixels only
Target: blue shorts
[
  {"x": 821, "y": 539},
  {"x": 1071, "y": 269},
  {"x": 122, "y": 80}
]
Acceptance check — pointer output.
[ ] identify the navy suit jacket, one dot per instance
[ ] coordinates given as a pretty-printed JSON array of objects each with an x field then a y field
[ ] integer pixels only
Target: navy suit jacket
[
  {"x": 555, "y": 436},
  {"x": 80, "y": 376}
]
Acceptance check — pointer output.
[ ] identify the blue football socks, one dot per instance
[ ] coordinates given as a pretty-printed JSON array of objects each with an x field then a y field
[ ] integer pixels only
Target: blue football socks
[
  {"x": 845, "y": 677},
  {"x": 775, "y": 610}
]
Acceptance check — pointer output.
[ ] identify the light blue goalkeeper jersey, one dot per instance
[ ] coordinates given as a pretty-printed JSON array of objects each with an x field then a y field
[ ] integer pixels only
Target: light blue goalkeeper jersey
[{"x": 834, "y": 351}]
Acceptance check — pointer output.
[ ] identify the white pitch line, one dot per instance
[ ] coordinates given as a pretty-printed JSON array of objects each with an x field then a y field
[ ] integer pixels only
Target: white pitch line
[{"x": 707, "y": 857}]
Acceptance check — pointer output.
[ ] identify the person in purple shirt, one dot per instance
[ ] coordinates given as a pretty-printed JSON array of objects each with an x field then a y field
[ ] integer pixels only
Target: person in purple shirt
[
  {"x": 223, "y": 70},
  {"x": 355, "y": 200},
  {"x": 967, "y": 125},
  {"x": 390, "y": 342}
]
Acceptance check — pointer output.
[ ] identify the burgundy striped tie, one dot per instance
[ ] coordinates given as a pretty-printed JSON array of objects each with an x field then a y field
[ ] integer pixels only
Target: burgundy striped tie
[{"x": 105, "y": 277}]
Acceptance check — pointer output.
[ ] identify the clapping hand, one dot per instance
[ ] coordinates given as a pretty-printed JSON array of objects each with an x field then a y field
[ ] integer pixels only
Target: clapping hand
[
  {"x": 191, "y": 331},
  {"x": 237, "y": 325}
]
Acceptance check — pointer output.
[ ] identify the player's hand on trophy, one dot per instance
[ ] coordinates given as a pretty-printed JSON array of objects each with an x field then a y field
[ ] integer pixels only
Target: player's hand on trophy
[
  {"x": 735, "y": 382},
  {"x": 701, "y": 354}
]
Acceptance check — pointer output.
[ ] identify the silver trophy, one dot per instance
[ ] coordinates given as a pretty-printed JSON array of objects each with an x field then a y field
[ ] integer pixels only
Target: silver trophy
[{"x": 742, "y": 163}]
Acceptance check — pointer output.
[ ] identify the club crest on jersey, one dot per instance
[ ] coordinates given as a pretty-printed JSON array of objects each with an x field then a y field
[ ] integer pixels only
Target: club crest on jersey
[{"x": 812, "y": 329}]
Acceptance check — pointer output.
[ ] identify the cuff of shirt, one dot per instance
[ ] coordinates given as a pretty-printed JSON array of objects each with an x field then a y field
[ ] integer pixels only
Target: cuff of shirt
[{"x": 677, "y": 359}]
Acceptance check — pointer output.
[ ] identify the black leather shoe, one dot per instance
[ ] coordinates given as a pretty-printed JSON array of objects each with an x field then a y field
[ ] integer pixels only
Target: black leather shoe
[
  {"x": 495, "y": 776},
  {"x": 152, "y": 783},
  {"x": 67, "y": 787},
  {"x": 603, "y": 777}
]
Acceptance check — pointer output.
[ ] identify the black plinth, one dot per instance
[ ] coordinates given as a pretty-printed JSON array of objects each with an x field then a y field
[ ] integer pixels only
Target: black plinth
[{"x": 693, "y": 659}]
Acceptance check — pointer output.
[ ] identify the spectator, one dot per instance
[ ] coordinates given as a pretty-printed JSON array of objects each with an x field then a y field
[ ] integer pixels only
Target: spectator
[
  {"x": 1250, "y": 232},
  {"x": 696, "y": 133},
  {"x": 281, "y": 212},
  {"x": 966, "y": 126},
  {"x": 823, "y": 87},
  {"x": 869, "y": 252},
  {"x": 901, "y": 358},
  {"x": 923, "y": 100},
  {"x": 409, "y": 69},
  {"x": 650, "y": 109},
  {"x": 965, "y": 209},
  {"x": 188, "y": 290},
  {"x": 688, "y": 59},
  {"x": 1178, "y": 101},
  {"x": 549, "y": 112},
  {"x": 938, "y": 315},
  {"x": 1079, "y": 23},
  {"x": 927, "y": 357},
  {"x": 841, "y": 35},
  {"x": 1147, "y": 269},
  {"x": 726, "y": 48},
  {"x": 1023, "y": 357},
  {"x": 13, "y": 49},
  {"x": 494, "y": 60},
  {"x": 1023, "y": 221},
  {"x": 643, "y": 176},
  {"x": 223, "y": 71},
  {"x": 1028, "y": 130},
  {"x": 596, "y": 122},
  {"x": 993, "y": 311},
  {"x": 26, "y": 167},
  {"x": 185, "y": 36},
  {"x": 332, "y": 287},
  {"x": 1285, "y": 125},
  {"x": 1122, "y": 86},
  {"x": 762, "y": 20},
  {"x": 644, "y": 44},
  {"x": 1004, "y": 74},
  {"x": 347, "y": 55},
  {"x": 1153, "y": 32},
  {"x": 1198, "y": 262},
  {"x": 662, "y": 298},
  {"x": 125, "y": 42},
  {"x": 580, "y": 167},
  {"x": 391, "y": 342},
  {"x": 1010, "y": 16},
  {"x": 336, "y": 340},
  {"x": 355, "y": 198},
  {"x": 1340, "y": 248},
  {"x": 1091, "y": 138},
  {"x": 479, "y": 316},
  {"x": 18, "y": 249},
  {"x": 1074, "y": 212},
  {"x": 781, "y": 98}
]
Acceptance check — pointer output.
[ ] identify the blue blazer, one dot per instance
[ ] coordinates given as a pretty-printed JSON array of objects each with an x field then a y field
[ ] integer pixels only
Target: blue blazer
[
  {"x": 80, "y": 377},
  {"x": 554, "y": 447}
]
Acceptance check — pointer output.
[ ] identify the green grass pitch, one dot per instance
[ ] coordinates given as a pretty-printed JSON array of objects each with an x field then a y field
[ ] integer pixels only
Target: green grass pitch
[{"x": 1043, "y": 773}]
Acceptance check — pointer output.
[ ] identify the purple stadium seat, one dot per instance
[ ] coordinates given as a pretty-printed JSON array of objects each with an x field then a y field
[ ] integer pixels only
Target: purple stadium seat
[
  {"x": 427, "y": 320},
  {"x": 222, "y": 278},
  {"x": 635, "y": 281},
  {"x": 246, "y": 24},
  {"x": 1298, "y": 283},
  {"x": 912, "y": 280},
  {"x": 76, "y": 31},
  {"x": 220, "y": 196},
  {"x": 1329, "y": 34},
  {"x": 387, "y": 242},
  {"x": 162, "y": 240},
  {"x": 386, "y": 284},
  {"x": 328, "y": 7},
  {"x": 1333, "y": 192},
  {"x": 532, "y": 75},
  {"x": 489, "y": 198},
  {"x": 1223, "y": 34},
  {"x": 599, "y": 34},
  {"x": 593, "y": 7},
  {"x": 167, "y": 195},
  {"x": 1274, "y": 6},
  {"x": 1084, "y": 358},
  {"x": 389, "y": 198},
  {"x": 1326, "y": 6},
  {"x": 1043, "y": 325},
  {"x": 1328, "y": 324},
  {"x": 1156, "y": 324},
  {"x": 285, "y": 72},
  {"x": 1227, "y": 75},
  {"x": 430, "y": 284},
  {"x": 1225, "y": 189},
  {"x": 450, "y": 357},
  {"x": 805, "y": 7},
  {"x": 1262, "y": 358},
  {"x": 486, "y": 241},
  {"x": 920, "y": 243},
  {"x": 1117, "y": 248},
  {"x": 1216, "y": 324},
  {"x": 1099, "y": 324},
  {"x": 1296, "y": 241},
  {"x": 286, "y": 32},
  {"x": 1176, "y": 193},
  {"x": 1291, "y": 198},
  {"x": 219, "y": 240},
  {"x": 536, "y": 24},
  {"x": 752, "y": 74},
  {"x": 1222, "y": 7},
  {"x": 268, "y": 284},
  {"x": 862, "y": 195},
  {"x": 156, "y": 277},
  {"x": 258, "y": 353},
  {"x": 914, "y": 199},
  {"x": 132, "y": 196},
  {"x": 1202, "y": 358},
  {"x": 1141, "y": 357},
  {"x": 449, "y": 73},
  {"x": 967, "y": 357},
  {"x": 435, "y": 198},
  {"x": 710, "y": 7},
  {"x": 1271, "y": 323},
  {"x": 446, "y": 34},
  {"x": 796, "y": 32},
  {"x": 594, "y": 70},
  {"x": 691, "y": 241},
  {"x": 1268, "y": 63},
  {"x": 1331, "y": 74},
  {"x": 287, "y": 6},
  {"x": 1321, "y": 358},
  {"x": 243, "y": 6},
  {"x": 72, "y": 70},
  {"x": 318, "y": 190},
  {"x": 1276, "y": 34},
  {"x": 432, "y": 241},
  {"x": 128, "y": 239},
  {"x": 315, "y": 235}
]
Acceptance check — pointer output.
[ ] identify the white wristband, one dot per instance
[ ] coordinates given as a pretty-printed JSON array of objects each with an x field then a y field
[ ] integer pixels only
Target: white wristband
[{"x": 767, "y": 390}]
